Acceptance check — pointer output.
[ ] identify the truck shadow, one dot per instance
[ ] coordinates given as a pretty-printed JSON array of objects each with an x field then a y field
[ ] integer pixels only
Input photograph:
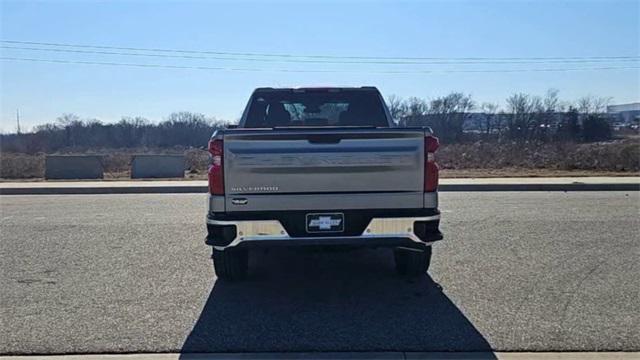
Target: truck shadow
[{"x": 309, "y": 301}]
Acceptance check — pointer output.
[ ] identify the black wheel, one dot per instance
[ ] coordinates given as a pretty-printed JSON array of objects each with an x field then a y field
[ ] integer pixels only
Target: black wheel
[
  {"x": 231, "y": 264},
  {"x": 412, "y": 262}
]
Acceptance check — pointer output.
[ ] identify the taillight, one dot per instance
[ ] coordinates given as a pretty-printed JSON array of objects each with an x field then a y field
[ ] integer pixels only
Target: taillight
[
  {"x": 216, "y": 169},
  {"x": 431, "y": 145}
]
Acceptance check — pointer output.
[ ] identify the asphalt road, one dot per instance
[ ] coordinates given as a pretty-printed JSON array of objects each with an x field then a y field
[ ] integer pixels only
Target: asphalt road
[{"x": 130, "y": 273}]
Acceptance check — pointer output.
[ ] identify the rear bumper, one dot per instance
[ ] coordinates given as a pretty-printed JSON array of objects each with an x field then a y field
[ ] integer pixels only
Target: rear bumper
[{"x": 416, "y": 231}]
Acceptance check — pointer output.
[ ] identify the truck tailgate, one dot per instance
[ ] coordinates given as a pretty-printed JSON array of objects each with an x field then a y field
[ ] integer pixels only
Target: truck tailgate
[{"x": 343, "y": 165}]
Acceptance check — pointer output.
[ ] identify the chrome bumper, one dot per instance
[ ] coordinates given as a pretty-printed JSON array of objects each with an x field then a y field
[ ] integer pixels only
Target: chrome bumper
[{"x": 273, "y": 231}]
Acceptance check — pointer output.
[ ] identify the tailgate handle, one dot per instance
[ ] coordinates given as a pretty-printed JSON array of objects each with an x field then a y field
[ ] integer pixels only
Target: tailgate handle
[{"x": 324, "y": 139}]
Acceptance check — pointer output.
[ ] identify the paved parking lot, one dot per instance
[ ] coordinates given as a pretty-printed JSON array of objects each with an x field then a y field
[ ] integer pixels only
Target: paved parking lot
[{"x": 130, "y": 273}]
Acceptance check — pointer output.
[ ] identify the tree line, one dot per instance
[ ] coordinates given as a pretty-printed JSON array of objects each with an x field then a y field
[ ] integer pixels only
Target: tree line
[
  {"x": 180, "y": 129},
  {"x": 454, "y": 118}
]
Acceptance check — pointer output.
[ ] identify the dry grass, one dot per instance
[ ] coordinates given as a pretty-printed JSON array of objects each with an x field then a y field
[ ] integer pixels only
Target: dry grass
[
  {"x": 197, "y": 161},
  {"x": 480, "y": 159},
  {"x": 21, "y": 166},
  {"x": 616, "y": 156}
]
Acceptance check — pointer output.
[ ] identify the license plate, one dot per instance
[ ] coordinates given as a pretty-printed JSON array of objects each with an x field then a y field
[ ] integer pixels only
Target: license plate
[{"x": 325, "y": 222}]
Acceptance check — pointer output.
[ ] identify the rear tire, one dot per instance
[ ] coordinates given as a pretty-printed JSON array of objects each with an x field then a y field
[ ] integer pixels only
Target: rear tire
[
  {"x": 231, "y": 264},
  {"x": 412, "y": 262}
]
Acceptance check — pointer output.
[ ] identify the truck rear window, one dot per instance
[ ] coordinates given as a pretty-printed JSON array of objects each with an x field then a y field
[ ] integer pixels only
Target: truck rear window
[{"x": 316, "y": 108}]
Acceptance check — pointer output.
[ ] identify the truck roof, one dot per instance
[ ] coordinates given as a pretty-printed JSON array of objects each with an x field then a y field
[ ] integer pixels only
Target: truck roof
[{"x": 316, "y": 88}]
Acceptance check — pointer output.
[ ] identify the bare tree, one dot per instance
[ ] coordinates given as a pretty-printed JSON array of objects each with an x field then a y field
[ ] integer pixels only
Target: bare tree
[
  {"x": 547, "y": 114},
  {"x": 551, "y": 101},
  {"x": 448, "y": 114},
  {"x": 414, "y": 112},
  {"x": 397, "y": 108},
  {"x": 491, "y": 117},
  {"x": 521, "y": 119},
  {"x": 590, "y": 104},
  {"x": 67, "y": 119},
  {"x": 72, "y": 125}
]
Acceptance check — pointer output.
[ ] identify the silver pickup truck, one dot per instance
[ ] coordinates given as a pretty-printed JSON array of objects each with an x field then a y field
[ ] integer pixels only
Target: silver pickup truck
[{"x": 323, "y": 167}]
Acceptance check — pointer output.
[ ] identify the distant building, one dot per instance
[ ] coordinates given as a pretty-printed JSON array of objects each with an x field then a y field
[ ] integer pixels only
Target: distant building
[{"x": 624, "y": 113}]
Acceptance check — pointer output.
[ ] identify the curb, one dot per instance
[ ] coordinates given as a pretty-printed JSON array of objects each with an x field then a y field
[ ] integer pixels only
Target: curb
[
  {"x": 104, "y": 190},
  {"x": 577, "y": 186}
]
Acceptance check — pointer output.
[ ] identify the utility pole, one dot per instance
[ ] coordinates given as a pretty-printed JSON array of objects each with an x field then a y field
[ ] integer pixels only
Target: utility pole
[{"x": 18, "y": 121}]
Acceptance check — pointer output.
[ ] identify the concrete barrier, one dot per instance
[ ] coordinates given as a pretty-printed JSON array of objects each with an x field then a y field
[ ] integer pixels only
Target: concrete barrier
[
  {"x": 73, "y": 167},
  {"x": 157, "y": 166}
]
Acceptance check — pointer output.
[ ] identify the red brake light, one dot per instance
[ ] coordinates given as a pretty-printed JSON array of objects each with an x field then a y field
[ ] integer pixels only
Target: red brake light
[
  {"x": 431, "y": 144},
  {"x": 216, "y": 169},
  {"x": 431, "y": 170}
]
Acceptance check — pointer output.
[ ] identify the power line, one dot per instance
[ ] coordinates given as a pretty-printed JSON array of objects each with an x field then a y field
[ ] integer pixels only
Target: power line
[
  {"x": 314, "y": 56},
  {"x": 272, "y": 60},
  {"x": 78, "y": 62}
]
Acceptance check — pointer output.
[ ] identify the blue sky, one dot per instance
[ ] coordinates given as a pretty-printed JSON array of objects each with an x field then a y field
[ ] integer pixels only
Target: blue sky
[{"x": 448, "y": 29}]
